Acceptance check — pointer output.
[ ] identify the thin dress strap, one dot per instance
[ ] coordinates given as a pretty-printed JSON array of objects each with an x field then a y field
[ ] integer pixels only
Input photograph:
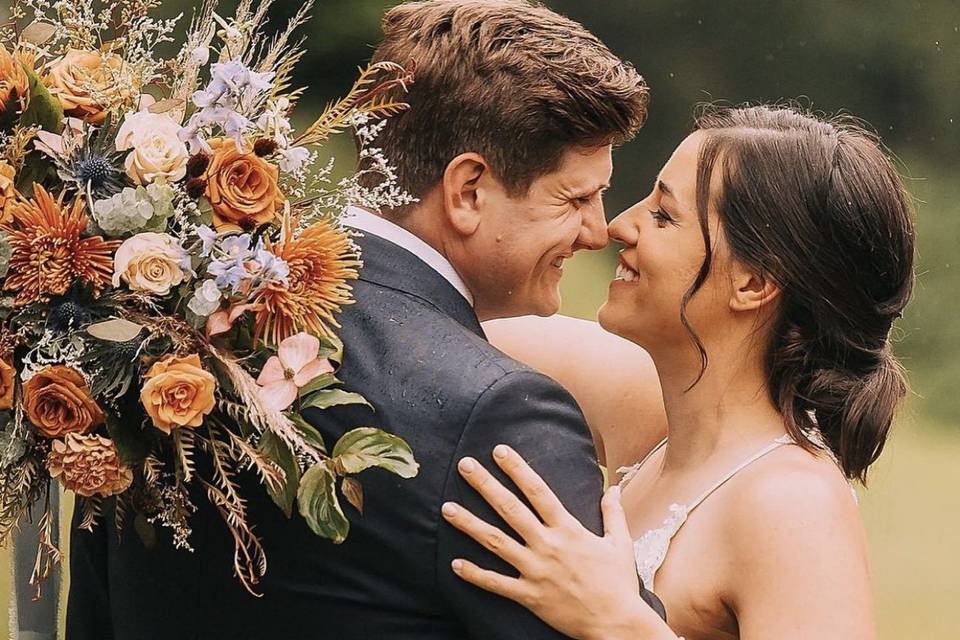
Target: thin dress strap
[
  {"x": 650, "y": 549},
  {"x": 776, "y": 444},
  {"x": 629, "y": 472}
]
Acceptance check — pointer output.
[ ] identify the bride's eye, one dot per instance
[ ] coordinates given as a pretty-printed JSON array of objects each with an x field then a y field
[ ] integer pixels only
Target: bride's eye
[{"x": 662, "y": 218}]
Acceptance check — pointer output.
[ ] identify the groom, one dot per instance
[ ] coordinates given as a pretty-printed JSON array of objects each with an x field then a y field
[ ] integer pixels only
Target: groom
[{"x": 507, "y": 145}]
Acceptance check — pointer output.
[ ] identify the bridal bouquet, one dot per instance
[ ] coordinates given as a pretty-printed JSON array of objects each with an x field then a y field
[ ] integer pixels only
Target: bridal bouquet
[{"x": 171, "y": 267}]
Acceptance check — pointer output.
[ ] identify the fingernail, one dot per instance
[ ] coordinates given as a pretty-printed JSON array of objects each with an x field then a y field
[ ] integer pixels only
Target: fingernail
[
  {"x": 457, "y": 565},
  {"x": 467, "y": 465},
  {"x": 500, "y": 451},
  {"x": 615, "y": 491},
  {"x": 449, "y": 509}
]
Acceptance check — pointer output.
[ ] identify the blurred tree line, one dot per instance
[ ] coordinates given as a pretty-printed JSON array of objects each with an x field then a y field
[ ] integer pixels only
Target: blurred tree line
[{"x": 893, "y": 63}]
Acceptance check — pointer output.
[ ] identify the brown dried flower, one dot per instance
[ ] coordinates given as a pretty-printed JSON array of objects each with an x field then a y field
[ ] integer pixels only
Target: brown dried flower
[{"x": 89, "y": 465}]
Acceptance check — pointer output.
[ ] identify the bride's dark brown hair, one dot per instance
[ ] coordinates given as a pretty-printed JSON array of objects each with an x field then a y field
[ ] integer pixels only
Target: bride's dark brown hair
[{"x": 818, "y": 207}]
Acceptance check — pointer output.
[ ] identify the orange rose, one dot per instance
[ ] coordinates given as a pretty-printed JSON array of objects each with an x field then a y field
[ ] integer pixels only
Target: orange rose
[
  {"x": 178, "y": 393},
  {"x": 57, "y": 401},
  {"x": 8, "y": 193},
  {"x": 88, "y": 83},
  {"x": 241, "y": 186},
  {"x": 89, "y": 465},
  {"x": 8, "y": 379}
]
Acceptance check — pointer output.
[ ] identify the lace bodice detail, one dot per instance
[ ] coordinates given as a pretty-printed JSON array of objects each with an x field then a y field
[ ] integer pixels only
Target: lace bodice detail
[{"x": 650, "y": 549}]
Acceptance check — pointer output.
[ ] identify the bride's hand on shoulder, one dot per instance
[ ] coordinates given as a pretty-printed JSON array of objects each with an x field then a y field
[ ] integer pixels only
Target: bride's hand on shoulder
[{"x": 581, "y": 584}]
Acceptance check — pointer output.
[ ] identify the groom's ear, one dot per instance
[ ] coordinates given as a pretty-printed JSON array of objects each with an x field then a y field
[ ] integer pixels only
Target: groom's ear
[
  {"x": 462, "y": 196},
  {"x": 751, "y": 289}
]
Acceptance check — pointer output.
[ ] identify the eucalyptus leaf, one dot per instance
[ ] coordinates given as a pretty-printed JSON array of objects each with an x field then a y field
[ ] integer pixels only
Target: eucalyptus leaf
[
  {"x": 115, "y": 330},
  {"x": 367, "y": 447},
  {"x": 165, "y": 105},
  {"x": 319, "y": 505},
  {"x": 277, "y": 451},
  {"x": 38, "y": 33},
  {"x": 326, "y": 398}
]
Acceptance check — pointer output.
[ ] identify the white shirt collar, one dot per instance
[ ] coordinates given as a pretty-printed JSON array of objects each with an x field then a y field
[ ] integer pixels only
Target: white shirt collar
[{"x": 363, "y": 220}]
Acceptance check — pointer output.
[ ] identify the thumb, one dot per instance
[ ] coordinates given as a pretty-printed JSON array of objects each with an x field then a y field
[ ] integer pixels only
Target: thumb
[{"x": 614, "y": 518}]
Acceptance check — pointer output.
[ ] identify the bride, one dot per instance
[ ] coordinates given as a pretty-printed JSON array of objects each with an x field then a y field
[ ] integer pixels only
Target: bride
[{"x": 762, "y": 274}]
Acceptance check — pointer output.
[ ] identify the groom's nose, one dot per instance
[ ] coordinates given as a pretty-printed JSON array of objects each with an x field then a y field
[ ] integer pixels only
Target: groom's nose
[{"x": 593, "y": 230}]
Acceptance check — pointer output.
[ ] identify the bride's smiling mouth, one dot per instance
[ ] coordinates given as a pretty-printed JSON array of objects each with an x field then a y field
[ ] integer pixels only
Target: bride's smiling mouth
[{"x": 625, "y": 273}]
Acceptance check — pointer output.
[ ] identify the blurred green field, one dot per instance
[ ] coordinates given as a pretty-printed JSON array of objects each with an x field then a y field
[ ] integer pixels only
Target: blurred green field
[{"x": 912, "y": 526}]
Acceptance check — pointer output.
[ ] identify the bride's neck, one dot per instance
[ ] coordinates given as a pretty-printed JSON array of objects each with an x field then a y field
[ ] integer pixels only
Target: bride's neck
[{"x": 729, "y": 406}]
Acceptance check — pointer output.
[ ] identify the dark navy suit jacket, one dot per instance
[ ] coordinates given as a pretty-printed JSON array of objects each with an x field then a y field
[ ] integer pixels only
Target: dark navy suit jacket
[{"x": 415, "y": 350}]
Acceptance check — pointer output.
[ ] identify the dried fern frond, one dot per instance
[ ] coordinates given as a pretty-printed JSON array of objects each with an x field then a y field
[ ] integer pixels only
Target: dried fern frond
[
  {"x": 184, "y": 444},
  {"x": 249, "y": 559},
  {"x": 91, "y": 510},
  {"x": 48, "y": 555},
  {"x": 223, "y": 475},
  {"x": 270, "y": 474},
  {"x": 120, "y": 513},
  {"x": 21, "y": 485},
  {"x": 366, "y": 96},
  {"x": 152, "y": 468}
]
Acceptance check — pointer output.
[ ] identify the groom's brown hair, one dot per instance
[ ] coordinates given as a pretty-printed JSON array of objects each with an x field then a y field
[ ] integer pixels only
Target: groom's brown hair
[{"x": 510, "y": 80}]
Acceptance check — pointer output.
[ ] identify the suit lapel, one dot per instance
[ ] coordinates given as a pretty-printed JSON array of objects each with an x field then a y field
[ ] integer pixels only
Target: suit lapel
[{"x": 389, "y": 265}]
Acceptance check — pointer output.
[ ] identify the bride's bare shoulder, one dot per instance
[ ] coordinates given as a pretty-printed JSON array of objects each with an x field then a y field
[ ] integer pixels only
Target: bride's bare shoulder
[{"x": 614, "y": 381}]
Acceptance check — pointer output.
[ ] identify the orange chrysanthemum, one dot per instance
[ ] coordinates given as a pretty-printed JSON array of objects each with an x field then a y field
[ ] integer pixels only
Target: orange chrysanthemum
[
  {"x": 321, "y": 261},
  {"x": 50, "y": 252},
  {"x": 14, "y": 82}
]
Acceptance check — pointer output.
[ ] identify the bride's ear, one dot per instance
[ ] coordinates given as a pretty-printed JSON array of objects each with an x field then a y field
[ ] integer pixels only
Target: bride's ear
[
  {"x": 462, "y": 195},
  {"x": 752, "y": 290}
]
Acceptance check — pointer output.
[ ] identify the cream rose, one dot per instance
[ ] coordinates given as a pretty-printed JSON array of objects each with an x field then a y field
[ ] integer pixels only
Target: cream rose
[
  {"x": 149, "y": 262},
  {"x": 157, "y": 152},
  {"x": 88, "y": 83}
]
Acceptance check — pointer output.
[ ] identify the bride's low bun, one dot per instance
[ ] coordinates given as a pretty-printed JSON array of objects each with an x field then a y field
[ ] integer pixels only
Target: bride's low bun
[{"x": 818, "y": 207}]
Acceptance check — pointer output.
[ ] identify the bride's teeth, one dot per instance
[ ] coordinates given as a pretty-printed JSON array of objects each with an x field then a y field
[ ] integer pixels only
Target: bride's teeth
[{"x": 627, "y": 275}]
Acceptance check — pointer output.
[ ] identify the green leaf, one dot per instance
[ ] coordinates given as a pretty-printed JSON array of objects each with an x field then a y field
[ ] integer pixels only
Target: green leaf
[
  {"x": 275, "y": 449},
  {"x": 205, "y": 211},
  {"x": 322, "y": 381},
  {"x": 331, "y": 398},
  {"x": 35, "y": 170},
  {"x": 367, "y": 447},
  {"x": 331, "y": 348},
  {"x": 307, "y": 430},
  {"x": 132, "y": 443},
  {"x": 44, "y": 109},
  {"x": 319, "y": 505}
]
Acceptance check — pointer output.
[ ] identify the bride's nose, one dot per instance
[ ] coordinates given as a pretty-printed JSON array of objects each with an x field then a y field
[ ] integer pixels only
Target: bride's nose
[{"x": 624, "y": 228}]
